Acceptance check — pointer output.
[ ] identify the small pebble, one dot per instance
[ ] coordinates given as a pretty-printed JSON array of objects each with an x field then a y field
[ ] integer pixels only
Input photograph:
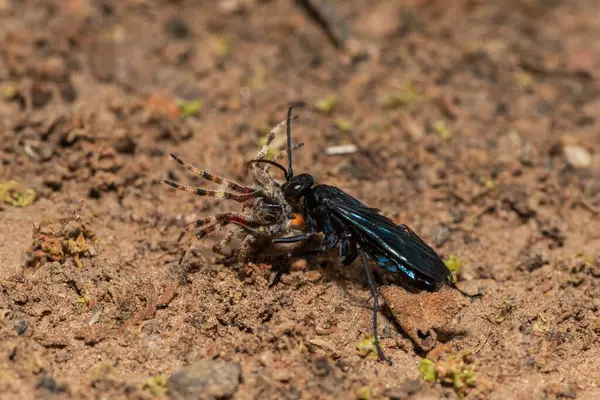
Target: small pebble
[
  {"x": 49, "y": 383},
  {"x": 545, "y": 287},
  {"x": 322, "y": 367},
  {"x": 577, "y": 156},
  {"x": 21, "y": 327},
  {"x": 207, "y": 379},
  {"x": 282, "y": 375},
  {"x": 177, "y": 28}
]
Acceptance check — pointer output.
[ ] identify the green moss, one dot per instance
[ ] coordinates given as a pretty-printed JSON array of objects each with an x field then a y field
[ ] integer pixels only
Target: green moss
[
  {"x": 325, "y": 105},
  {"x": 189, "y": 108},
  {"x": 9, "y": 92},
  {"x": 442, "y": 129},
  {"x": 222, "y": 46},
  {"x": 363, "y": 393},
  {"x": 366, "y": 347},
  {"x": 258, "y": 81},
  {"x": 456, "y": 371},
  {"x": 156, "y": 385},
  {"x": 343, "y": 124},
  {"x": 427, "y": 370},
  {"x": 407, "y": 95},
  {"x": 455, "y": 265},
  {"x": 15, "y": 194}
]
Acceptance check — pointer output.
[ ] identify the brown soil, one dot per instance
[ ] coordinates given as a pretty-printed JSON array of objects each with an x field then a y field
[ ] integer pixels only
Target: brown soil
[{"x": 478, "y": 127}]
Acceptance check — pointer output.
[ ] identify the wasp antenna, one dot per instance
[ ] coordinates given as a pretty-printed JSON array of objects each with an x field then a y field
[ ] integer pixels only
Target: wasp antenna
[
  {"x": 273, "y": 163},
  {"x": 290, "y": 172}
]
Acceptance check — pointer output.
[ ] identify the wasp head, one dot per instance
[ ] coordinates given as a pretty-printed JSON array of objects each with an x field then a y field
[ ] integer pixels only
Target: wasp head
[{"x": 297, "y": 186}]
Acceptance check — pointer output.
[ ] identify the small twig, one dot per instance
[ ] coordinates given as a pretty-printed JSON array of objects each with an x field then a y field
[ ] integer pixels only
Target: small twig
[
  {"x": 587, "y": 206},
  {"x": 482, "y": 344},
  {"x": 325, "y": 332},
  {"x": 341, "y": 150},
  {"x": 168, "y": 295},
  {"x": 326, "y": 15},
  {"x": 152, "y": 304},
  {"x": 540, "y": 70},
  {"x": 365, "y": 152},
  {"x": 147, "y": 312}
]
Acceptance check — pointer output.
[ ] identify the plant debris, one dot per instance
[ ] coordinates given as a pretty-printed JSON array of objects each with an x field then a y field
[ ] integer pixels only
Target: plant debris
[
  {"x": 189, "y": 108},
  {"x": 15, "y": 194},
  {"x": 363, "y": 393},
  {"x": 156, "y": 385},
  {"x": 541, "y": 325},
  {"x": 452, "y": 369},
  {"x": 366, "y": 347},
  {"x": 56, "y": 239},
  {"x": 407, "y": 95},
  {"x": 454, "y": 265},
  {"x": 343, "y": 124},
  {"x": 442, "y": 129},
  {"x": 325, "y": 105}
]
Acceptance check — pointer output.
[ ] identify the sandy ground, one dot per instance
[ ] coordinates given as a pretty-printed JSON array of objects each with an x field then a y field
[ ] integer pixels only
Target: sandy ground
[{"x": 477, "y": 126}]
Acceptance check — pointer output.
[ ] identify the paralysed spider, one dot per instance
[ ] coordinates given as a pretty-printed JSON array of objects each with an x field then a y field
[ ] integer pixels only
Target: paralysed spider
[{"x": 265, "y": 213}]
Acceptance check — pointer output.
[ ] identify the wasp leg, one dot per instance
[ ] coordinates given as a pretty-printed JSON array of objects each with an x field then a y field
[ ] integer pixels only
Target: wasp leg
[
  {"x": 477, "y": 295},
  {"x": 348, "y": 250},
  {"x": 298, "y": 254},
  {"x": 375, "y": 295},
  {"x": 283, "y": 268},
  {"x": 324, "y": 248},
  {"x": 294, "y": 239},
  {"x": 228, "y": 184},
  {"x": 329, "y": 242}
]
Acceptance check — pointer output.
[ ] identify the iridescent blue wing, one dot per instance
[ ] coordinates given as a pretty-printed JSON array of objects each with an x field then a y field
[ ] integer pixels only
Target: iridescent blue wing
[{"x": 395, "y": 248}]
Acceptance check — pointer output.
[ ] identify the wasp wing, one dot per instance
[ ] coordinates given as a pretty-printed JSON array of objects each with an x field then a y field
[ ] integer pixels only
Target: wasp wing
[{"x": 392, "y": 246}]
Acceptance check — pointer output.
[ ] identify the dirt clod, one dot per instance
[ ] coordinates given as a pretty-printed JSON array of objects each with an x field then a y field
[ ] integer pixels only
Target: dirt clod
[
  {"x": 425, "y": 316},
  {"x": 55, "y": 239}
]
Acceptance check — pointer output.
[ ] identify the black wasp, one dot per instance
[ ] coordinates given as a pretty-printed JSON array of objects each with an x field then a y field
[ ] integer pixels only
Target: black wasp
[{"x": 358, "y": 230}]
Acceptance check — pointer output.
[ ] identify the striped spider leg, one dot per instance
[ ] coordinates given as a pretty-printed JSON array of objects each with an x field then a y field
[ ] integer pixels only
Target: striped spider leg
[
  {"x": 261, "y": 173},
  {"x": 215, "y": 222},
  {"x": 265, "y": 212}
]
